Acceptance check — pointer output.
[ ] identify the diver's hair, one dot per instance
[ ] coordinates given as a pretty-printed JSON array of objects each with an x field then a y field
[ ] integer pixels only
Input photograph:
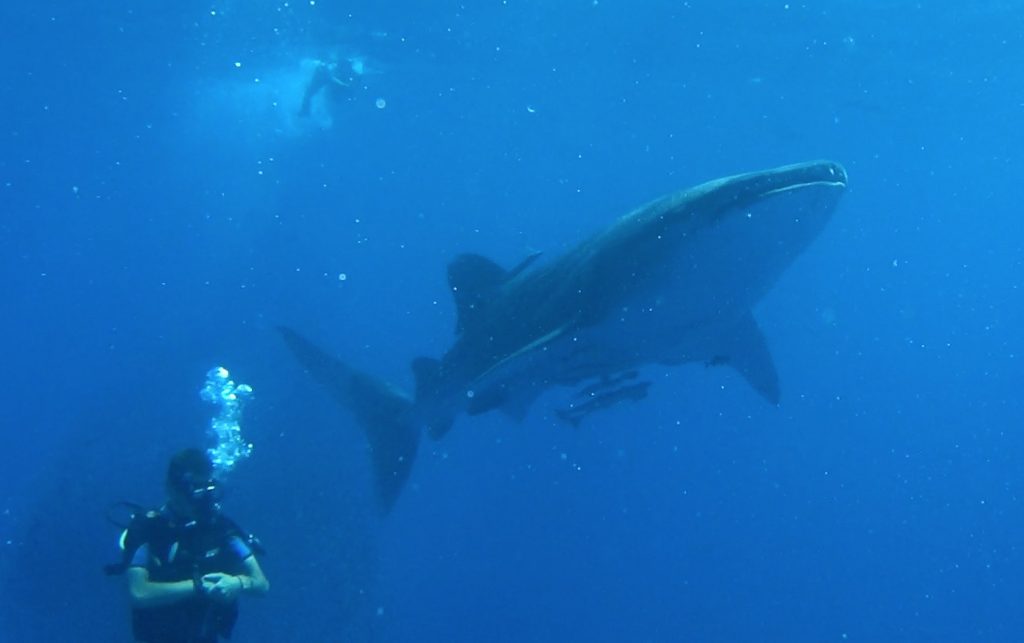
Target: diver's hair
[{"x": 188, "y": 466}]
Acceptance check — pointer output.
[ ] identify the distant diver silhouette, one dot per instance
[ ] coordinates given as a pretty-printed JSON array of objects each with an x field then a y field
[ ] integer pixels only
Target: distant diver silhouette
[{"x": 324, "y": 75}]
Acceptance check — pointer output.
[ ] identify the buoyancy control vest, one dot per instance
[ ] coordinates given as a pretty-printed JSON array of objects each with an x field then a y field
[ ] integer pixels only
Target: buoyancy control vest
[{"x": 178, "y": 550}]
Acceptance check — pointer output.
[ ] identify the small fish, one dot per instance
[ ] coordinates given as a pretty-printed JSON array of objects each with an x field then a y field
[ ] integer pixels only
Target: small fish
[{"x": 600, "y": 401}]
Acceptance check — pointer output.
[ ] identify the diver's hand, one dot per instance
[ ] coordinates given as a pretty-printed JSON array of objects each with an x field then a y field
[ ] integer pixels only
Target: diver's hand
[{"x": 222, "y": 587}]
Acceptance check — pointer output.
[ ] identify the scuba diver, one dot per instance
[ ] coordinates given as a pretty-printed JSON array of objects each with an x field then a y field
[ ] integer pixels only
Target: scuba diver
[
  {"x": 186, "y": 563},
  {"x": 325, "y": 75}
]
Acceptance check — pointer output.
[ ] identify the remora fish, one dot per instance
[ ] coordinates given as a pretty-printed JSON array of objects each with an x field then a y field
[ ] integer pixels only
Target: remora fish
[
  {"x": 603, "y": 398},
  {"x": 672, "y": 282}
]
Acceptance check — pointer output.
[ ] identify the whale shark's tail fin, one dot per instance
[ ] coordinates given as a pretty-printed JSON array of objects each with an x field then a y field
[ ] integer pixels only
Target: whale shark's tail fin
[{"x": 383, "y": 411}]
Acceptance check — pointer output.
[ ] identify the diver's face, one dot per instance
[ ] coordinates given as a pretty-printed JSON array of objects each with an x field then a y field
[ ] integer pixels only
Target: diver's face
[
  {"x": 195, "y": 500},
  {"x": 179, "y": 502}
]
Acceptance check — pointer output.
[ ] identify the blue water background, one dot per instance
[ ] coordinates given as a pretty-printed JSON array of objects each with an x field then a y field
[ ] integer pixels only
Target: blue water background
[{"x": 162, "y": 210}]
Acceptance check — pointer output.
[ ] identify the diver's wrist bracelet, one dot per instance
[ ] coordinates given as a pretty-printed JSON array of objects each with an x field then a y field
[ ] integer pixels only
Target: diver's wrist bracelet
[{"x": 197, "y": 585}]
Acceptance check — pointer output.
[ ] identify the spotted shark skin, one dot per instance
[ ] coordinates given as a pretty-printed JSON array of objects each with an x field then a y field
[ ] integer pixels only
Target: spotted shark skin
[{"x": 672, "y": 282}]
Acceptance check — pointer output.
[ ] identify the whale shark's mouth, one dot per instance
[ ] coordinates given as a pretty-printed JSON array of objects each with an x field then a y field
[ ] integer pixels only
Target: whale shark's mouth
[
  {"x": 818, "y": 175},
  {"x": 802, "y": 186},
  {"x": 832, "y": 176}
]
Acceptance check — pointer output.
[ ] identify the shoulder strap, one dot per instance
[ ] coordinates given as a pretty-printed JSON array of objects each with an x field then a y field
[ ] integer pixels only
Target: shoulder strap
[
  {"x": 144, "y": 526},
  {"x": 232, "y": 528}
]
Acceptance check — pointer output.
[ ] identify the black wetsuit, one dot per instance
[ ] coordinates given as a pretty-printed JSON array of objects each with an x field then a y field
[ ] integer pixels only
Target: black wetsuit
[{"x": 171, "y": 550}]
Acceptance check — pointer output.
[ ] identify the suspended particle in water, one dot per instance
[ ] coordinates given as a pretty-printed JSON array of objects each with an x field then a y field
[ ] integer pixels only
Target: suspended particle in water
[
  {"x": 342, "y": 276},
  {"x": 380, "y": 103}
]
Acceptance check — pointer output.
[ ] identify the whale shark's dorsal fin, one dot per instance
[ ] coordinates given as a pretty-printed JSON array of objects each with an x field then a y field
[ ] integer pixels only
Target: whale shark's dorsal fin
[{"x": 474, "y": 281}]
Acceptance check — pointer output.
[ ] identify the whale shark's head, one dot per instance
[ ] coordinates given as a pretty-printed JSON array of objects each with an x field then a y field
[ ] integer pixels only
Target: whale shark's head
[
  {"x": 715, "y": 249},
  {"x": 815, "y": 188},
  {"x": 735, "y": 236}
]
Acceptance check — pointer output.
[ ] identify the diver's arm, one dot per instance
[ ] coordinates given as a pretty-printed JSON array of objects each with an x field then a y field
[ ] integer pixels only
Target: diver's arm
[
  {"x": 145, "y": 593},
  {"x": 228, "y": 587},
  {"x": 254, "y": 582}
]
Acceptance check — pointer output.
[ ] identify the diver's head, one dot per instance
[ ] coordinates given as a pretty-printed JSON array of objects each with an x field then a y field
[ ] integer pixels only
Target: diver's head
[{"x": 192, "y": 490}]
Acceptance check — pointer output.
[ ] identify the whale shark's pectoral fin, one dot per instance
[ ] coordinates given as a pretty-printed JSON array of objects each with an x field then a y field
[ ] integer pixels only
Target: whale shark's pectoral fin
[{"x": 747, "y": 351}]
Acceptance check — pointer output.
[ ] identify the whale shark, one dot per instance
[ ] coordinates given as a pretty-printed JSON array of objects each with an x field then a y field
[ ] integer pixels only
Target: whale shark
[{"x": 672, "y": 282}]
